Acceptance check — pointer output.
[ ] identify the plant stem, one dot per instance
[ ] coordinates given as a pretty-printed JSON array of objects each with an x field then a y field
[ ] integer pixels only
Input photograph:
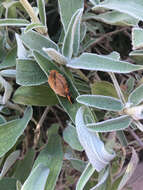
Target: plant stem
[
  {"x": 107, "y": 35},
  {"x": 33, "y": 16},
  {"x": 18, "y": 108},
  {"x": 117, "y": 87},
  {"x": 82, "y": 75},
  {"x": 138, "y": 124},
  {"x": 37, "y": 130},
  {"x": 135, "y": 136}
]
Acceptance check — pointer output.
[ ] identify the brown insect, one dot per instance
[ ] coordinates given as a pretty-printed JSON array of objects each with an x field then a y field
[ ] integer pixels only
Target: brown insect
[{"x": 59, "y": 84}]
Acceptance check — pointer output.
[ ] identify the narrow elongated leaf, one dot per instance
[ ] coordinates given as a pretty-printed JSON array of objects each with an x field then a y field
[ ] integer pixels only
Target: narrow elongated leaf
[
  {"x": 9, "y": 162},
  {"x": 11, "y": 131},
  {"x": 42, "y": 11},
  {"x": 13, "y": 22},
  {"x": 95, "y": 62},
  {"x": 130, "y": 84},
  {"x": 83, "y": 30},
  {"x": 52, "y": 157},
  {"x": 67, "y": 9},
  {"x": 36, "y": 41},
  {"x": 102, "y": 180},
  {"x": 122, "y": 138},
  {"x": 87, "y": 173},
  {"x": 130, "y": 169},
  {"x": 41, "y": 95},
  {"x": 69, "y": 154},
  {"x": 37, "y": 178},
  {"x": 137, "y": 38},
  {"x": 114, "y": 18},
  {"x": 34, "y": 26},
  {"x": 133, "y": 8},
  {"x": 70, "y": 136},
  {"x": 87, "y": 44},
  {"x": 93, "y": 146},
  {"x": 24, "y": 166},
  {"x": 29, "y": 73},
  {"x": 136, "y": 97},
  {"x": 76, "y": 163},
  {"x": 46, "y": 66},
  {"x": 101, "y": 102},
  {"x": 72, "y": 36},
  {"x": 103, "y": 88},
  {"x": 8, "y": 73},
  {"x": 115, "y": 124}
]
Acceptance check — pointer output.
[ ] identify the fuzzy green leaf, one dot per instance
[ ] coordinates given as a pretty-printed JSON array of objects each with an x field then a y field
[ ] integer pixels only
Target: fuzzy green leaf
[
  {"x": 114, "y": 18},
  {"x": 137, "y": 34},
  {"x": 10, "y": 59},
  {"x": 37, "y": 178},
  {"x": 8, "y": 183},
  {"x": 87, "y": 173},
  {"x": 33, "y": 26},
  {"x": 10, "y": 160},
  {"x": 101, "y": 102},
  {"x": 115, "y": 124},
  {"x": 95, "y": 62},
  {"x": 67, "y": 10},
  {"x": 35, "y": 95},
  {"x": 137, "y": 56},
  {"x": 103, "y": 88},
  {"x": 72, "y": 37},
  {"x": 36, "y": 41},
  {"x": 132, "y": 8},
  {"x": 12, "y": 130},
  {"x": 136, "y": 96},
  {"x": 52, "y": 157},
  {"x": 24, "y": 166},
  {"x": 129, "y": 170},
  {"x": 93, "y": 146},
  {"x": 13, "y": 22},
  {"x": 29, "y": 73},
  {"x": 42, "y": 11},
  {"x": 102, "y": 179},
  {"x": 70, "y": 136}
]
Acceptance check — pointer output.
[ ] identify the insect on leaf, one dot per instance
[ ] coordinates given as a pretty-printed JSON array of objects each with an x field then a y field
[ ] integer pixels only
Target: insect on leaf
[{"x": 58, "y": 83}]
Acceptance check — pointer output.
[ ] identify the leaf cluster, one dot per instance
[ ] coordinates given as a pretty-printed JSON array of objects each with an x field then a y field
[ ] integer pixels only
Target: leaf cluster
[{"x": 97, "y": 51}]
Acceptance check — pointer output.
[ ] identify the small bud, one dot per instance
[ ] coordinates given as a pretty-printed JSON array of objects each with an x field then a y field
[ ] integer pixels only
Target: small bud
[
  {"x": 135, "y": 112},
  {"x": 55, "y": 55}
]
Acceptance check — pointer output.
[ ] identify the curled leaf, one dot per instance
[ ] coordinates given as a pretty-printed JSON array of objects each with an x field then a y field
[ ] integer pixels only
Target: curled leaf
[{"x": 93, "y": 146}]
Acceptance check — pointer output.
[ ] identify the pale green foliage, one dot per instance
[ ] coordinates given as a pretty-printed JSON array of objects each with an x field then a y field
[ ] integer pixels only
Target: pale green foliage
[{"x": 29, "y": 51}]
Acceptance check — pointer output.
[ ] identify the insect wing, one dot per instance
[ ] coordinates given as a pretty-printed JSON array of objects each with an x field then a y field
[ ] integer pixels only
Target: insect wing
[{"x": 57, "y": 82}]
